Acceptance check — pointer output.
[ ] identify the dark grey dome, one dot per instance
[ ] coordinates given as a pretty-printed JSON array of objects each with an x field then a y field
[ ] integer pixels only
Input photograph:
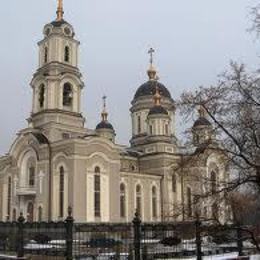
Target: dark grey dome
[
  {"x": 201, "y": 121},
  {"x": 59, "y": 23},
  {"x": 149, "y": 88},
  {"x": 104, "y": 125},
  {"x": 158, "y": 110}
]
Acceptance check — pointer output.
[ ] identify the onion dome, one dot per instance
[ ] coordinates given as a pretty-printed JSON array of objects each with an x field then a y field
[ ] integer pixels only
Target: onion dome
[
  {"x": 202, "y": 120},
  {"x": 157, "y": 108},
  {"x": 149, "y": 87},
  {"x": 104, "y": 124}
]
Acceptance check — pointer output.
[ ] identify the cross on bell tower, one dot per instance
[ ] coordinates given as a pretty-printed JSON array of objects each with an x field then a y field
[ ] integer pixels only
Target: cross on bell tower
[{"x": 60, "y": 11}]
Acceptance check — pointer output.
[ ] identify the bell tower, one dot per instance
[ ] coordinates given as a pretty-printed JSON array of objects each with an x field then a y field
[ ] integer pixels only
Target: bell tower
[{"x": 57, "y": 83}]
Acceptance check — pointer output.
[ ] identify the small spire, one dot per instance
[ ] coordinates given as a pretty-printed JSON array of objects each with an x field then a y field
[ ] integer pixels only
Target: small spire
[
  {"x": 104, "y": 113},
  {"x": 157, "y": 96},
  {"x": 60, "y": 11},
  {"x": 151, "y": 71},
  {"x": 202, "y": 112}
]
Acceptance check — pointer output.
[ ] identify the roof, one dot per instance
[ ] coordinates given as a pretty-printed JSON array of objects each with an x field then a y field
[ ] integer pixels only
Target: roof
[
  {"x": 201, "y": 121},
  {"x": 104, "y": 125},
  {"x": 149, "y": 88},
  {"x": 158, "y": 110},
  {"x": 59, "y": 23}
]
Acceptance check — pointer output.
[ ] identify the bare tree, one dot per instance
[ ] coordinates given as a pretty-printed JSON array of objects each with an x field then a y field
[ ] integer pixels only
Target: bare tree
[{"x": 233, "y": 106}]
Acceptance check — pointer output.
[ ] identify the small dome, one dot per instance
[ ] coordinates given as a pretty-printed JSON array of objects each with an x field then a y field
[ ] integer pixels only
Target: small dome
[
  {"x": 201, "y": 121},
  {"x": 104, "y": 125},
  {"x": 158, "y": 110},
  {"x": 149, "y": 88}
]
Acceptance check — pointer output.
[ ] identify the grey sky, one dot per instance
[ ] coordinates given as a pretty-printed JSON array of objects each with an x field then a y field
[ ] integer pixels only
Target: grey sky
[{"x": 194, "y": 41}]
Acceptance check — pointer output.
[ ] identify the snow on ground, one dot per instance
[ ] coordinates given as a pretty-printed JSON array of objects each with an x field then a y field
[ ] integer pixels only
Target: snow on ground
[{"x": 218, "y": 257}]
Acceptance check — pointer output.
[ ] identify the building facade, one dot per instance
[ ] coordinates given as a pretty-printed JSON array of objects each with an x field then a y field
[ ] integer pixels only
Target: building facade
[{"x": 57, "y": 162}]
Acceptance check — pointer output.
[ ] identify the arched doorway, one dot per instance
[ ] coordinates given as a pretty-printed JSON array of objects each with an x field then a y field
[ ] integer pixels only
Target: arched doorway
[{"x": 30, "y": 209}]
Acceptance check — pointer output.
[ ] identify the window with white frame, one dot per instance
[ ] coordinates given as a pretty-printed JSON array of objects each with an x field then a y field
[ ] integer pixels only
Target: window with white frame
[
  {"x": 9, "y": 197},
  {"x": 61, "y": 192},
  {"x": 139, "y": 199},
  {"x": 154, "y": 203},
  {"x": 67, "y": 54},
  {"x": 122, "y": 200},
  {"x": 97, "y": 193},
  {"x": 189, "y": 202},
  {"x": 31, "y": 176}
]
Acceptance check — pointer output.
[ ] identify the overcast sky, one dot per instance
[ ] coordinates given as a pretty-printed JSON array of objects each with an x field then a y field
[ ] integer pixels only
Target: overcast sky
[{"x": 194, "y": 42}]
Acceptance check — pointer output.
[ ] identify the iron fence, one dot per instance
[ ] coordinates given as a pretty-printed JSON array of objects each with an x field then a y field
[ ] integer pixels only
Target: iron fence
[{"x": 128, "y": 241}]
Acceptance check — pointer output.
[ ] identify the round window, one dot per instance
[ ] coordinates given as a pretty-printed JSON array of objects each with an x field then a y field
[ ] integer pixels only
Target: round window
[
  {"x": 47, "y": 31},
  {"x": 67, "y": 31}
]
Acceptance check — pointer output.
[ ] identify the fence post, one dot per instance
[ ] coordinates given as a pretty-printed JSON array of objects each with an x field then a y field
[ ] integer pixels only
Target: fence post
[
  {"x": 20, "y": 236},
  {"x": 69, "y": 235},
  {"x": 239, "y": 241},
  {"x": 137, "y": 236},
  {"x": 198, "y": 239}
]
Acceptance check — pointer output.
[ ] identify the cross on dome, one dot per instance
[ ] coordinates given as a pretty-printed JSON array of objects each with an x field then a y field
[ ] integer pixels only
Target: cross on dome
[
  {"x": 104, "y": 113},
  {"x": 151, "y": 52},
  {"x": 151, "y": 71}
]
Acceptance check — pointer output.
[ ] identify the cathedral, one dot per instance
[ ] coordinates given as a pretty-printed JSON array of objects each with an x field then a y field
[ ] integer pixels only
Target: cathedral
[{"x": 58, "y": 162}]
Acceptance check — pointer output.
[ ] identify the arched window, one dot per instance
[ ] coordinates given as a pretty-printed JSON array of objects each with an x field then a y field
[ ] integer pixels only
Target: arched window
[
  {"x": 189, "y": 202},
  {"x": 215, "y": 210},
  {"x": 213, "y": 181},
  {"x": 139, "y": 124},
  {"x": 30, "y": 211},
  {"x": 174, "y": 183},
  {"x": 31, "y": 176},
  {"x": 67, "y": 94},
  {"x": 151, "y": 129},
  {"x": 40, "y": 213},
  {"x": 14, "y": 215},
  {"x": 205, "y": 212},
  {"x": 139, "y": 200},
  {"x": 9, "y": 198},
  {"x": 166, "y": 129},
  {"x": 154, "y": 202},
  {"x": 45, "y": 54},
  {"x": 41, "y": 96},
  {"x": 61, "y": 193},
  {"x": 122, "y": 201},
  {"x": 67, "y": 54},
  {"x": 97, "y": 191}
]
